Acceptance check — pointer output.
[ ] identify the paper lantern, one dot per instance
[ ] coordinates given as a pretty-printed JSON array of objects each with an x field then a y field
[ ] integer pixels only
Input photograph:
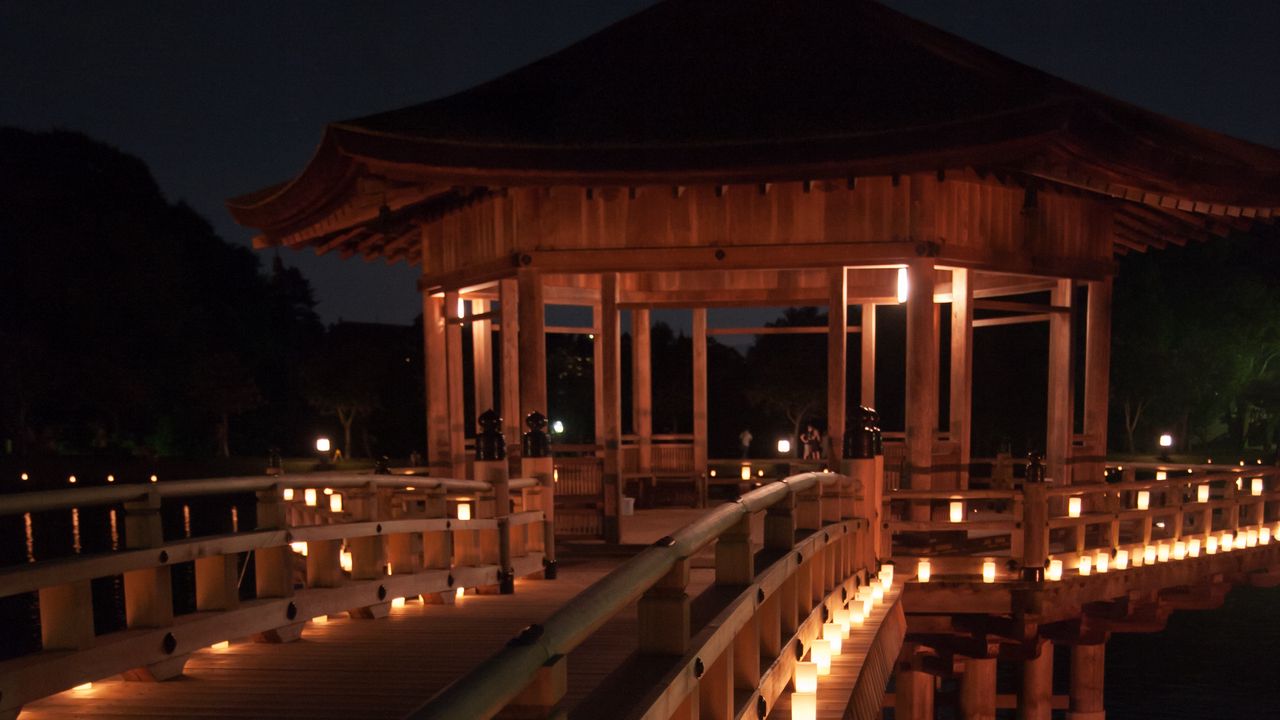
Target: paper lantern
[
  {"x": 1054, "y": 572},
  {"x": 841, "y": 617},
  {"x": 1149, "y": 555},
  {"x": 1255, "y": 486},
  {"x": 1202, "y": 493},
  {"x": 1179, "y": 550},
  {"x": 806, "y": 680},
  {"x": 856, "y": 617},
  {"x": 320, "y": 619},
  {"x": 1073, "y": 507},
  {"x": 1162, "y": 552},
  {"x": 397, "y": 602},
  {"x": 1144, "y": 499},
  {"x": 1211, "y": 545},
  {"x": 820, "y": 654},
  {"x": 834, "y": 636},
  {"x": 1122, "y": 559},
  {"x": 309, "y": 497},
  {"x": 1251, "y": 538},
  {"x": 1226, "y": 542},
  {"x": 1193, "y": 547},
  {"x": 804, "y": 706},
  {"x": 1162, "y": 475},
  {"x": 746, "y": 472},
  {"x": 923, "y": 571},
  {"x": 1264, "y": 535},
  {"x": 287, "y": 494},
  {"x": 299, "y": 547},
  {"x": 877, "y": 594},
  {"x": 1102, "y": 561},
  {"x": 866, "y": 608},
  {"x": 335, "y": 503},
  {"x": 957, "y": 511},
  {"x": 1086, "y": 565},
  {"x": 989, "y": 571},
  {"x": 464, "y": 511}
]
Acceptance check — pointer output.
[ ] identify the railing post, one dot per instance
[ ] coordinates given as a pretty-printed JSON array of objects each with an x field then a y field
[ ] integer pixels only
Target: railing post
[
  {"x": 536, "y": 462},
  {"x": 809, "y": 508},
  {"x": 491, "y": 466},
  {"x": 217, "y": 583},
  {"x": 540, "y": 697},
  {"x": 274, "y": 566},
  {"x": 1035, "y": 522},
  {"x": 780, "y": 524},
  {"x": 1088, "y": 670},
  {"x": 66, "y": 616},
  {"x": 978, "y": 689},
  {"x": 663, "y": 613},
  {"x": 148, "y": 592},
  {"x": 1035, "y": 695},
  {"x": 864, "y": 462},
  {"x": 735, "y": 563}
]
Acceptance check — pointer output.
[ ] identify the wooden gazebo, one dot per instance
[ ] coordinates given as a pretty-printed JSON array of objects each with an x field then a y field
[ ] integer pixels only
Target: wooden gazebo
[{"x": 737, "y": 153}]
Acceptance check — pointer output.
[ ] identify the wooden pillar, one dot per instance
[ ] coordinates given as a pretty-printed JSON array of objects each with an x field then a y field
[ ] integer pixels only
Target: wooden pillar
[
  {"x": 837, "y": 362},
  {"x": 913, "y": 697},
  {"x": 453, "y": 365},
  {"x": 1097, "y": 374},
  {"x": 533, "y": 342},
  {"x": 978, "y": 689},
  {"x": 642, "y": 388},
  {"x": 1035, "y": 695},
  {"x": 1088, "y": 668},
  {"x": 961, "y": 365},
  {"x": 482, "y": 356},
  {"x": 610, "y": 403},
  {"x": 509, "y": 336},
  {"x": 700, "y": 401},
  {"x": 1061, "y": 399},
  {"x": 922, "y": 380},
  {"x": 868, "y": 393},
  {"x": 439, "y": 454}
]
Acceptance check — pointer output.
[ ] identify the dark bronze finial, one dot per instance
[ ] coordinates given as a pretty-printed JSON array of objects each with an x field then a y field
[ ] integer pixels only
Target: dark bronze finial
[
  {"x": 535, "y": 442},
  {"x": 490, "y": 444},
  {"x": 1035, "y": 467}
]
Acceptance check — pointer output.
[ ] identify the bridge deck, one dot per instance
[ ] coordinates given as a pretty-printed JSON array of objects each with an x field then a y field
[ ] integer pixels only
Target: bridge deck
[{"x": 376, "y": 668}]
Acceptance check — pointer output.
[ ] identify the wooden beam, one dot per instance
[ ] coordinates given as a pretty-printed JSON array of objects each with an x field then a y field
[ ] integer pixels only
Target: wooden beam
[
  {"x": 1011, "y": 320},
  {"x": 700, "y": 392},
  {"x": 961, "y": 385},
  {"x": 837, "y": 362},
  {"x": 1018, "y": 307},
  {"x": 922, "y": 380},
  {"x": 1061, "y": 399}
]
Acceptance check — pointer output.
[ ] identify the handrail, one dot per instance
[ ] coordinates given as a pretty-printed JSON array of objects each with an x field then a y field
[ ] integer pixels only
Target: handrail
[
  {"x": 494, "y": 683},
  {"x": 16, "y": 503}
]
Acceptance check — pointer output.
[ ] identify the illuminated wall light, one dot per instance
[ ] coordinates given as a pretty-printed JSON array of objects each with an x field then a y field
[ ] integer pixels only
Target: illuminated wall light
[
  {"x": 309, "y": 497},
  {"x": 1179, "y": 550},
  {"x": 923, "y": 571},
  {"x": 1054, "y": 572},
  {"x": 464, "y": 511},
  {"x": 397, "y": 602},
  {"x": 1102, "y": 561},
  {"x": 83, "y": 686},
  {"x": 335, "y": 503},
  {"x": 804, "y": 706},
  {"x": 1202, "y": 493},
  {"x": 1255, "y": 487},
  {"x": 746, "y": 472},
  {"x": 806, "y": 679},
  {"x": 1211, "y": 545},
  {"x": 904, "y": 285},
  {"x": 1264, "y": 535},
  {"x": 345, "y": 560},
  {"x": 221, "y": 645},
  {"x": 299, "y": 547},
  {"x": 988, "y": 571},
  {"x": 1193, "y": 547},
  {"x": 287, "y": 494},
  {"x": 320, "y": 619},
  {"x": 820, "y": 655},
  {"x": 323, "y": 444},
  {"x": 832, "y": 634},
  {"x": 784, "y": 446},
  {"x": 1162, "y": 475},
  {"x": 1162, "y": 552},
  {"x": 1122, "y": 559},
  {"x": 1086, "y": 565},
  {"x": 1073, "y": 507},
  {"x": 957, "y": 511},
  {"x": 72, "y": 479},
  {"x": 1149, "y": 555},
  {"x": 1144, "y": 499}
]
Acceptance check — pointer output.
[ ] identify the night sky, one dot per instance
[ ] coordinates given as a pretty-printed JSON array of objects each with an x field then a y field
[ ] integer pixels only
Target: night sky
[{"x": 223, "y": 98}]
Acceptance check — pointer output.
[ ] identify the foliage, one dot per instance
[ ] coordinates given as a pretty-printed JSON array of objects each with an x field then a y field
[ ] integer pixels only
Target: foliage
[{"x": 787, "y": 374}]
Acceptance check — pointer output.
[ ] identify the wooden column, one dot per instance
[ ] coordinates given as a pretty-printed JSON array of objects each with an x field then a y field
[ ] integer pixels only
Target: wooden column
[
  {"x": 837, "y": 362},
  {"x": 509, "y": 335},
  {"x": 482, "y": 356},
  {"x": 453, "y": 365},
  {"x": 913, "y": 697},
  {"x": 978, "y": 689},
  {"x": 868, "y": 394},
  {"x": 700, "y": 400},
  {"x": 1097, "y": 374},
  {"x": 961, "y": 365},
  {"x": 642, "y": 387},
  {"x": 922, "y": 380},
  {"x": 533, "y": 342},
  {"x": 1059, "y": 425},
  {"x": 610, "y": 344},
  {"x": 1088, "y": 669},
  {"x": 1035, "y": 695},
  {"x": 439, "y": 455},
  {"x": 597, "y": 377}
]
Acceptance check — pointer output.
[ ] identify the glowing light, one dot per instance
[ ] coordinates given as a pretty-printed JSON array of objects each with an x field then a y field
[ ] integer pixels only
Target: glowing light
[
  {"x": 186, "y": 520},
  {"x": 804, "y": 706},
  {"x": 1162, "y": 475},
  {"x": 287, "y": 493},
  {"x": 458, "y": 593},
  {"x": 1264, "y": 535},
  {"x": 1202, "y": 493},
  {"x": 1086, "y": 565},
  {"x": 923, "y": 571},
  {"x": 221, "y": 645},
  {"x": 841, "y": 618},
  {"x": 989, "y": 571},
  {"x": 345, "y": 560},
  {"x": 746, "y": 472},
  {"x": 111, "y": 478},
  {"x": 886, "y": 573},
  {"x": 328, "y": 491},
  {"x": 1149, "y": 555},
  {"x": 299, "y": 547},
  {"x": 1226, "y": 542},
  {"x": 320, "y": 619},
  {"x": 957, "y": 511},
  {"x": 83, "y": 686},
  {"x": 1144, "y": 499},
  {"x": 1179, "y": 550},
  {"x": 25, "y": 477},
  {"x": 866, "y": 607},
  {"x": 464, "y": 511},
  {"x": 904, "y": 285},
  {"x": 1054, "y": 572},
  {"x": 335, "y": 503},
  {"x": 831, "y": 633},
  {"x": 856, "y": 616},
  {"x": 1162, "y": 552},
  {"x": 235, "y": 520},
  {"x": 397, "y": 602},
  {"x": 1122, "y": 559},
  {"x": 72, "y": 479},
  {"x": 1251, "y": 538},
  {"x": 557, "y": 427},
  {"x": 820, "y": 655},
  {"x": 1101, "y": 561},
  {"x": 1166, "y": 440},
  {"x": 323, "y": 444},
  {"x": 713, "y": 472},
  {"x": 154, "y": 478},
  {"x": 1073, "y": 507},
  {"x": 462, "y": 308},
  {"x": 1210, "y": 546},
  {"x": 309, "y": 497},
  {"x": 877, "y": 594},
  {"x": 1193, "y": 547},
  {"x": 1255, "y": 487},
  {"x": 806, "y": 677},
  {"x": 1136, "y": 558},
  {"x": 784, "y": 446}
]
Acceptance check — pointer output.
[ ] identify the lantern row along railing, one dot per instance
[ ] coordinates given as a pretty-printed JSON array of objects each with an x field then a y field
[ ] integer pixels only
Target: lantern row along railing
[
  {"x": 325, "y": 543},
  {"x": 1047, "y": 532},
  {"x": 817, "y": 533}
]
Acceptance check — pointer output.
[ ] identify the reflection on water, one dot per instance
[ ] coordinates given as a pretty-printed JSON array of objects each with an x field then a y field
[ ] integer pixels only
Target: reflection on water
[
  {"x": 75, "y": 530},
  {"x": 186, "y": 521},
  {"x": 31, "y": 541},
  {"x": 115, "y": 533}
]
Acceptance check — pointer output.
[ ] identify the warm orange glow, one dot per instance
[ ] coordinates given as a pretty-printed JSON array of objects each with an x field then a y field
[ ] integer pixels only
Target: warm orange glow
[
  {"x": 1264, "y": 535},
  {"x": 1226, "y": 542},
  {"x": 72, "y": 479},
  {"x": 1102, "y": 561},
  {"x": 320, "y": 619},
  {"x": 989, "y": 571},
  {"x": 923, "y": 571},
  {"x": 957, "y": 511},
  {"x": 1144, "y": 499},
  {"x": 1255, "y": 487},
  {"x": 820, "y": 654},
  {"x": 111, "y": 478},
  {"x": 1193, "y": 547},
  {"x": 309, "y": 497},
  {"x": 804, "y": 706},
  {"x": 1202, "y": 493},
  {"x": 397, "y": 602},
  {"x": 746, "y": 472},
  {"x": 1162, "y": 552},
  {"x": 345, "y": 561},
  {"x": 832, "y": 634},
  {"x": 841, "y": 618},
  {"x": 464, "y": 511},
  {"x": 1086, "y": 565},
  {"x": 1179, "y": 550},
  {"x": 1162, "y": 475},
  {"x": 904, "y": 285},
  {"x": 287, "y": 494},
  {"x": 328, "y": 491},
  {"x": 25, "y": 477},
  {"x": 299, "y": 547},
  {"x": 323, "y": 444},
  {"x": 1073, "y": 507},
  {"x": 1210, "y": 545},
  {"x": 1054, "y": 572},
  {"x": 335, "y": 503},
  {"x": 806, "y": 679},
  {"x": 856, "y": 617},
  {"x": 1149, "y": 555},
  {"x": 221, "y": 645},
  {"x": 154, "y": 478},
  {"x": 83, "y": 686}
]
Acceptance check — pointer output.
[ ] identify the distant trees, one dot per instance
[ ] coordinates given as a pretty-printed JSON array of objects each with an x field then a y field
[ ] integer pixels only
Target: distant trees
[{"x": 787, "y": 374}]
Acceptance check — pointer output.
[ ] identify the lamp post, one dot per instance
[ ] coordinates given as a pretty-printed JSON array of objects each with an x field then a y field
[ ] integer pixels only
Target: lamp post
[
  {"x": 323, "y": 448},
  {"x": 1166, "y": 442}
]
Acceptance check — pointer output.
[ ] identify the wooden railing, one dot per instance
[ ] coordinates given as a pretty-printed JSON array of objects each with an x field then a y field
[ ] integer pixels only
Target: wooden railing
[
  {"x": 715, "y": 671},
  {"x": 1179, "y": 511},
  {"x": 384, "y": 537}
]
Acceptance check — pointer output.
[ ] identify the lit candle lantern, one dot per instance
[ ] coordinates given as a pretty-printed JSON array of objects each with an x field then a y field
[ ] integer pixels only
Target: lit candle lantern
[
  {"x": 957, "y": 511},
  {"x": 841, "y": 617},
  {"x": 320, "y": 619},
  {"x": 309, "y": 497},
  {"x": 1162, "y": 475},
  {"x": 221, "y": 645},
  {"x": 344, "y": 560},
  {"x": 746, "y": 472},
  {"x": 1149, "y": 555},
  {"x": 83, "y": 686},
  {"x": 1240, "y": 481},
  {"x": 459, "y": 593},
  {"x": 1122, "y": 559},
  {"x": 1179, "y": 550},
  {"x": 1193, "y": 547},
  {"x": 856, "y": 617},
  {"x": 335, "y": 503},
  {"x": 1251, "y": 538},
  {"x": 1255, "y": 486},
  {"x": 1073, "y": 507},
  {"x": 1144, "y": 499},
  {"x": 299, "y": 547},
  {"x": 287, "y": 494},
  {"x": 989, "y": 571},
  {"x": 804, "y": 706},
  {"x": 1162, "y": 552},
  {"x": 1264, "y": 535},
  {"x": 923, "y": 571},
  {"x": 464, "y": 511},
  {"x": 886, "y": 583},
  {"x": 1054, "y": 571},
  {"x": 806, "y": 677},
  {"x": 1202, "y": 493},
  {"x": 820, "y": 654},
  {"x": 397, "y": 602},
  {"x": 835, "y": 638},
  {"x": 1102, "y": 561},
  {"x": 1211, "y": 545},
  {"x": 877, "y": 594},
  {"x": 866, "y": 608},
  {"x": 1086, "y": 565},
  {"x": 1226, "y": 542}
]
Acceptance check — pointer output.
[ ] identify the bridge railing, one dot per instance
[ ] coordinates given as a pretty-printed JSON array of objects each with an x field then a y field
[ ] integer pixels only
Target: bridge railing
[
  {"x": 325, "y": 543},
  {"x": 1176, "y": 511},
  {"x": 776, "y": 615}
]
